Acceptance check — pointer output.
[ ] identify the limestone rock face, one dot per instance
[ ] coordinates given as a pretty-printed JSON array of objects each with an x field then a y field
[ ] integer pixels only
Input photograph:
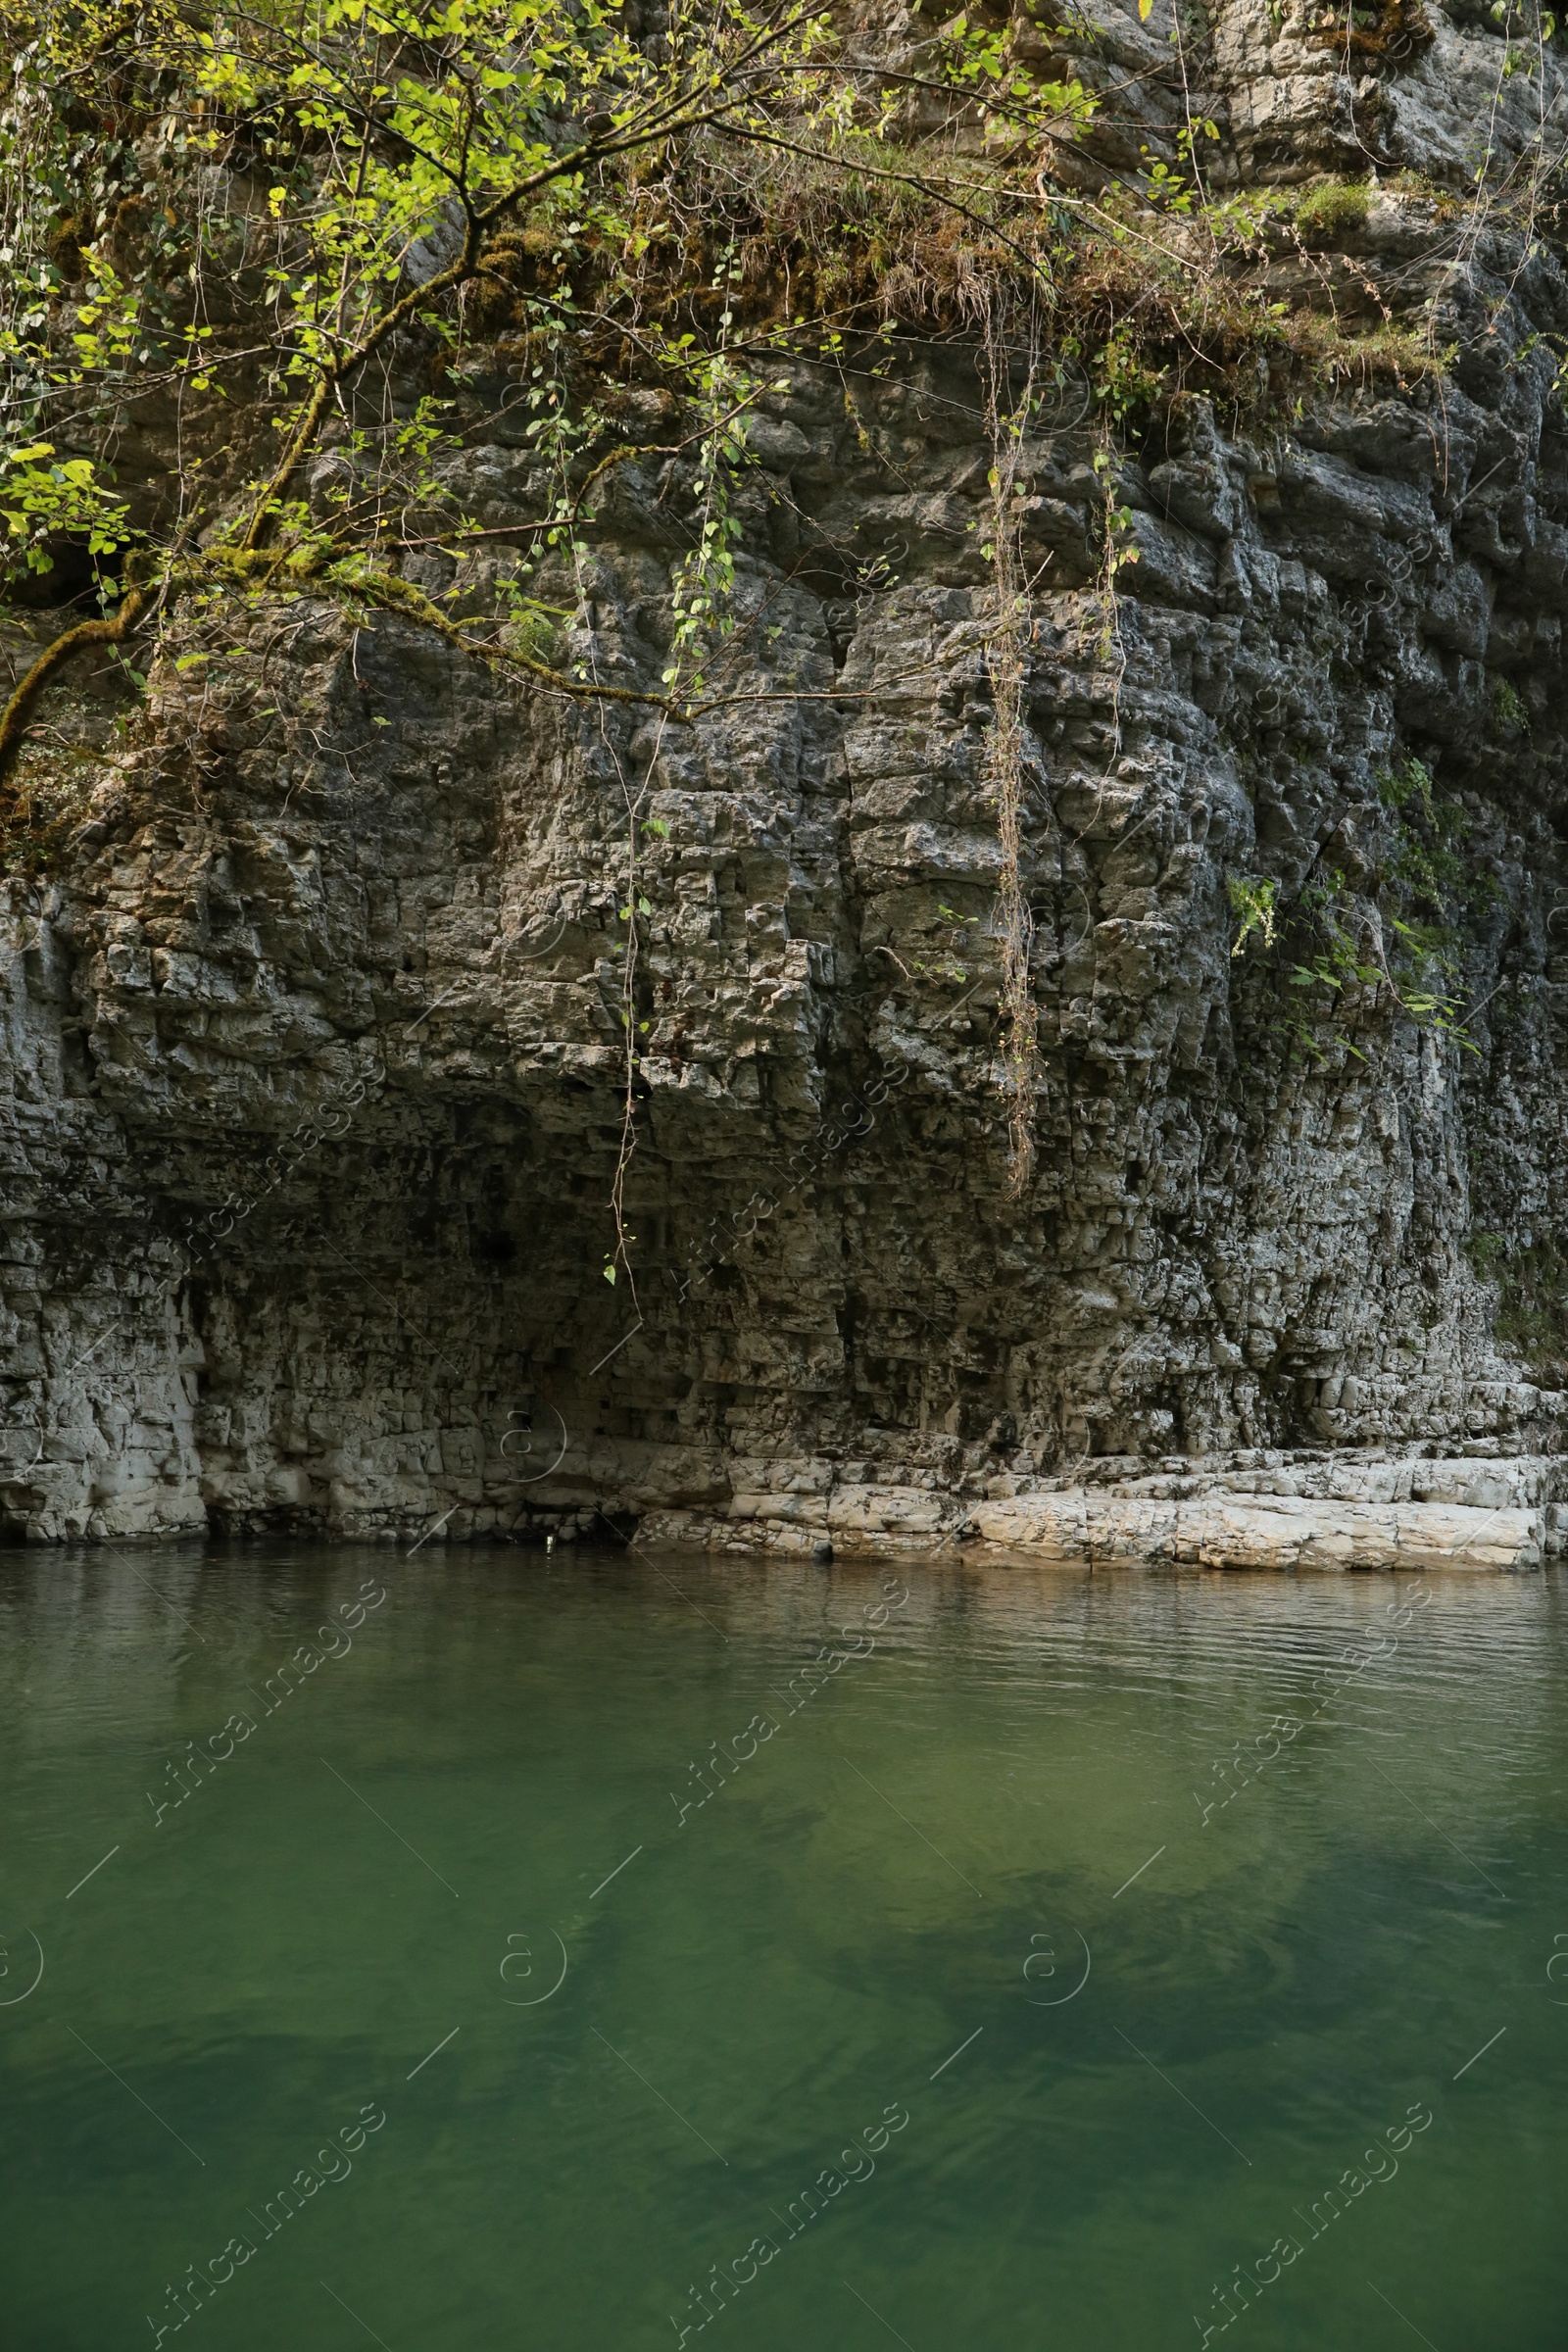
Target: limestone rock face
[{"x": 314, "y": 1057}]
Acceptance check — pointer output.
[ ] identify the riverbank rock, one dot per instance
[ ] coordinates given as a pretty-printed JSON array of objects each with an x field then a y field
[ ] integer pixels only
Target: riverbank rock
[{"x": 313, "y": 1062}]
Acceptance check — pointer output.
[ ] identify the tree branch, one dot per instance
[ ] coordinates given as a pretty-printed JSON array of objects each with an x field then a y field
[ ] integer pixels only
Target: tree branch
[{"x": 14, "y": 718}]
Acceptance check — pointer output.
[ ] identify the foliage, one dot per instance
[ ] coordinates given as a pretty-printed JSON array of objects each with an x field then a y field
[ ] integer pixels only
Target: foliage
[
  {"x": 1252, "y": 899},
  {"x": 269, "y": 208},
  {"x": 1510, "y": 711},
  {"x": 1532, "y": 1280},
  {"x": 41, "y": 502},
  {"x": 268, "y": 211},
  {"x": 1333, "y": 210},
  {"x": 1392, "y": 944},
  {"x": 55, "y": 798},
  {"x": 1484, "y": 1249}
]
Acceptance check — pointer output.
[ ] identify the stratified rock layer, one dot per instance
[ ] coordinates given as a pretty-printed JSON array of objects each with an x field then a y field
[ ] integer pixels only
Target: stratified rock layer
[{"x": 1249, "y": 1309}]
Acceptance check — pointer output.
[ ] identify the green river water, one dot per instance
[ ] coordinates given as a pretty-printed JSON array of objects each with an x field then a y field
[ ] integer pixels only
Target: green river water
[{"x": 602, "y": 1951}]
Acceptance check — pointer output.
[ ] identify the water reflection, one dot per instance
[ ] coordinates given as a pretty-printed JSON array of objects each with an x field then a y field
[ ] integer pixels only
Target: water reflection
[{"x": 1158, "y": 1905}]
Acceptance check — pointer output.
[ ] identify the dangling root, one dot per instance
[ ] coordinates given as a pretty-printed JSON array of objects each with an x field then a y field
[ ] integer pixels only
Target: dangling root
[{"x": 1020, "y": 1050}]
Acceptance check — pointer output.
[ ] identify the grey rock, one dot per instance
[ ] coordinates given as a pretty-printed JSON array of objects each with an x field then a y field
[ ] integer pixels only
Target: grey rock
[{"x": 314, "y": 1067}]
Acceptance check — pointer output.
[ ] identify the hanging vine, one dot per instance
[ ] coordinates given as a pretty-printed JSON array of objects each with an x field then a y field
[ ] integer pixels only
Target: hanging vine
[{"x": 1007, "y": 420}]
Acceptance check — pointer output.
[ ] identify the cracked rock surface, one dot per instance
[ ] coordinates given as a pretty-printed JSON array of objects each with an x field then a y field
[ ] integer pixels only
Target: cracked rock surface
[{"x": 1263, "y": 1301}]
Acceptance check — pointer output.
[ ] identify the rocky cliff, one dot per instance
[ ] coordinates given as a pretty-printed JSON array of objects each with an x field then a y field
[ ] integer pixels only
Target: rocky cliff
[{"x": 314, "y": 1058}]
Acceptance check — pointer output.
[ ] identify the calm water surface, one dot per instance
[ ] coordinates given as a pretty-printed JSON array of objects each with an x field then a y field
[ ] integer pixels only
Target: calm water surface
[{"x": 995, "y": 1957}]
